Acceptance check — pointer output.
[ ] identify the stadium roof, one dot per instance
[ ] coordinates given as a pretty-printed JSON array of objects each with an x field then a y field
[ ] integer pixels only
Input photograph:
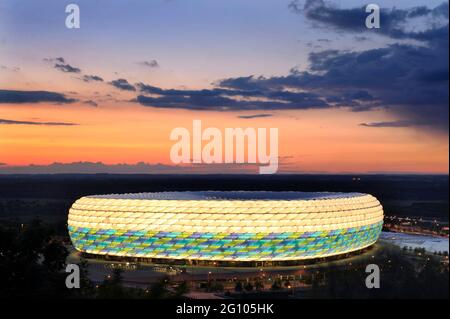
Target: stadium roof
[{"x": 231, "y": 195}]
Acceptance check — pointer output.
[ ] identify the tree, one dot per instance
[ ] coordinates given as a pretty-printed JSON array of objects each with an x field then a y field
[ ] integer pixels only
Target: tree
[
  {"x": 111, "y": 287},
  {"x": 248, "y": 286},
  {"x": 216, "y": 286},
  {"x": 117, "y": 277},
  {"x": 433, "y": 280},
  {"x": 86, "y": 286},
  {"x": 31, "y": 261},
  {"x": 158, "y": 289},
  {"x": 259, "y": 285},
  {"x": 55, "y": 255},
  {"x": 181, "y": 289},
  {"x": 276, "y": 284}
]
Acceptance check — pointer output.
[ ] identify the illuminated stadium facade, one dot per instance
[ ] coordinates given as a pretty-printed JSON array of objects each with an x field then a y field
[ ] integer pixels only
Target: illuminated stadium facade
[{"x": 225, "y": 226}]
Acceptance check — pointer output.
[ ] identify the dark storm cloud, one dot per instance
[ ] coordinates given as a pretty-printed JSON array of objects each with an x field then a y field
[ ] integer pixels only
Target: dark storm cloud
[
  {"x": 92, "y": 78},
  {"x": 122, "y": 84},
  {"x": 144, "y": 88},
  {"x": 209, "y": 102},
  {"x": 408, "y": 80},
  {"x": 353, "y": 19},
  {"x": 251, "y": 93},
  {"x": 15, "y": 97},
  {"x": 254, "y": 116},
  {"x": 13, "y": 122},
  {"x": 220, "y": 99},
  {"x": 286, "y": 88}
]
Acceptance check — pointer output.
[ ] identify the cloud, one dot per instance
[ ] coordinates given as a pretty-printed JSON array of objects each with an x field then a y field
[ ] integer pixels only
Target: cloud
[
  {"x": 92, "y": 78},
  {"x": 254, "y": 116},
  {"x": 396, "y": 23},
  {"x": 285, "y": 164},
  {"x": 15, "y": 97},
  {"x": 150, "y": 64},
  {"x": 407, "y": 80},
  {"x": 392, "y": 124},
  {"x": 144, "y": 88},
  {"x": 12, "y": 69},
  {"x": 61, "y": 65},
  {"x": 223, "y": 103},
  {"x": 220, "y": 99},
  {"x": 13, "y": 122},
  {"x": 91, "y": 103},
  {"x": 2, "y": 164},
  {"x": 138, "y": 168},
  {"x": 360, "y": 38},
  {"x": 66, "y": 68},
  {"x": 122, "y": 84}
]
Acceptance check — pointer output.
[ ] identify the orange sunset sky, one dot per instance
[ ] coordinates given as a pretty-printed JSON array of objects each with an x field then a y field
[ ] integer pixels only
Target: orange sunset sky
[{"x": 324, "y": 126}]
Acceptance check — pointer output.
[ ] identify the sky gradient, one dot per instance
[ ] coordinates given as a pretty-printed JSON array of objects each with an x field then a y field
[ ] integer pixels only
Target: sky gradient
[{"x": 344, "y": 98}]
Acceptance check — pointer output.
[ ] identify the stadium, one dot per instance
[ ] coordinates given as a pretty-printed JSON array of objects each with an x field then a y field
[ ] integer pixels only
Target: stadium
[{"x": 222, "y": 227}]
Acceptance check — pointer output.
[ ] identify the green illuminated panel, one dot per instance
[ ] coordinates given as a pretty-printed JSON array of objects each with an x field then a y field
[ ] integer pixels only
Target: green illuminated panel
[{"x": 221, "y": 246}]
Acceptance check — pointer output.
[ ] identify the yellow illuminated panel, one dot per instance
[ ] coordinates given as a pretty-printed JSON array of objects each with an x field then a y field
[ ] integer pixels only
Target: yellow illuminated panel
[{"x": 242, "y": 226}]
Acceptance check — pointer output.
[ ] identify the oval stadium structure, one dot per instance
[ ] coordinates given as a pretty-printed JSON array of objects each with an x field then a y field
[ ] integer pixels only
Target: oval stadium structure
[{"x": 225, "y": 226}]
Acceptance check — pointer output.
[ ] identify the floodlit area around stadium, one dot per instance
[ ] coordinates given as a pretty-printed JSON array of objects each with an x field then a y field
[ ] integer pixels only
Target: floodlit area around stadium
[{"x": 225, "y": 226}]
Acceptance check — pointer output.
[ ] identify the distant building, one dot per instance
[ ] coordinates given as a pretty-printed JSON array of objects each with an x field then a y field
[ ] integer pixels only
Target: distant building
[{"x": 225, "y": 226}]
